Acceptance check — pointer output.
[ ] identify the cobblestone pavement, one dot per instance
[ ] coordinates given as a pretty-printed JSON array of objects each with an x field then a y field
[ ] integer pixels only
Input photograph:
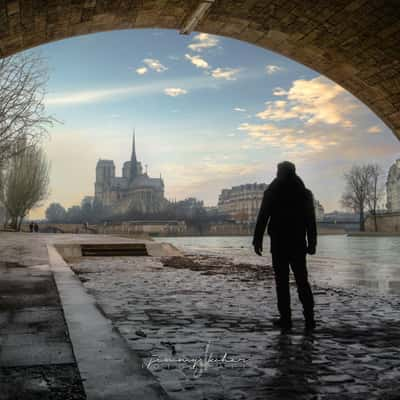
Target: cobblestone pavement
[{"x": 180, "y": 313}]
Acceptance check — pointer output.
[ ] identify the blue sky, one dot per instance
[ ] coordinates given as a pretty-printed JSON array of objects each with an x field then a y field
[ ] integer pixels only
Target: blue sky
[{"x": 209, "y": 112}]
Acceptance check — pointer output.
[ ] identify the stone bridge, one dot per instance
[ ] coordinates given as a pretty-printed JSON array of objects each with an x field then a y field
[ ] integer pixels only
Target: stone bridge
[{"x": 356, "y": 43}]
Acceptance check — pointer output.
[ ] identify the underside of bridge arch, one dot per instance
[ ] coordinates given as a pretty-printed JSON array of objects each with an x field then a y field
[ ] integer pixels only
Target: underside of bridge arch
[{"x": 356, "y": 43}]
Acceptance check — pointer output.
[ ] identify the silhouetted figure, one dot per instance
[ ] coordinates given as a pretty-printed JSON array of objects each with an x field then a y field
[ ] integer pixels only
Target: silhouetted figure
[
  {"x": 31, "y": 227},
  {"x": 36, "y": 227},
  {"x": 288, "y": 210}
]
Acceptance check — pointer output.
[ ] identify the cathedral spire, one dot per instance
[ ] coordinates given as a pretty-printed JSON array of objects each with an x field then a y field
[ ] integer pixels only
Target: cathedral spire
[
  {"x": 133, "y": 155},
  {"x": 133, "y": 158}
]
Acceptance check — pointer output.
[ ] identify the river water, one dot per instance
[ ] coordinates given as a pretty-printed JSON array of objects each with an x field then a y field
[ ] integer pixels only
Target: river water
[{"x": 364, "y": 263}]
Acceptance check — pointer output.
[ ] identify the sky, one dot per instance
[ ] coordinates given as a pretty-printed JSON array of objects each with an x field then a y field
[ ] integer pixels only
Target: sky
[{"x": 209, "y": 113}]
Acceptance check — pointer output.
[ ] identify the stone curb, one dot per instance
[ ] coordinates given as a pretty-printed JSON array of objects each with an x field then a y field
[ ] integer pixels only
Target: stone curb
[{"x": 108, "y": 367}]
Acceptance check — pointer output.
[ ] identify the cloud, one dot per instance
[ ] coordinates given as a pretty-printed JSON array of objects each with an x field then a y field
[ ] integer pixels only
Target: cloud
[
  {"x": 197, "y": 61},
  {"x": 374, "y": 129},
  {"x": 271, "y": 69},
  {"x": 89, "y": 96},
  {"x": 225, "y": 73},
  {"x": 239, "y": 109},
  {"x": 290, "y": 140},
  {"x": 155, "y": 64},
  {"x": 279, "y": 92},
  {"x": 313, "y": 101},
  {"x": 265, "y": 132},
  {"x": 116, "y": 93},
  {"x": 173, "y": 92},
  {"x": 203, "y": 41},
  {"x": 141, "y": 70}
]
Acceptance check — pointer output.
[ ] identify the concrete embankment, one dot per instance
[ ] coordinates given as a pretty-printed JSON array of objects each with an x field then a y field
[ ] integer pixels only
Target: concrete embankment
[
  {"x": 93, "y": 354},
  {"x": 374, "y": 234}
]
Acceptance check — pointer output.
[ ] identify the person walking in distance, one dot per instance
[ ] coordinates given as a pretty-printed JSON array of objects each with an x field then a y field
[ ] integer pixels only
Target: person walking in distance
[{"x": 288, "y": 210}]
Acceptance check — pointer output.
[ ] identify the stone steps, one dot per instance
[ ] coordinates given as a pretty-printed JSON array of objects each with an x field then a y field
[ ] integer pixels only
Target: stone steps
[{"x": 114, "y": 250}]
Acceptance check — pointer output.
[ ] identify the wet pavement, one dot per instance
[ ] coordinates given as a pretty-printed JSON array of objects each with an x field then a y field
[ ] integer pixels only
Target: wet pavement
[
  {"x": 36, "y": 359},
  {"x": 203, "y": 326}
]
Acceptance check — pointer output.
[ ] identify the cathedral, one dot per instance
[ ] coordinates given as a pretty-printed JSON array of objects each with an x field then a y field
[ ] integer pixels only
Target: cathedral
[{"x": 134, "y": 191}]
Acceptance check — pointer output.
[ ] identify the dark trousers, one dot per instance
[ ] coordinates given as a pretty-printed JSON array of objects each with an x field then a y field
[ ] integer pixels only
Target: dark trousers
[{"x": 297, "y": 262}]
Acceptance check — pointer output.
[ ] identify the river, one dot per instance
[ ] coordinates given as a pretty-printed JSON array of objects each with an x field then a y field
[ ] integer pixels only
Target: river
[{"x": 366, "y": 263}]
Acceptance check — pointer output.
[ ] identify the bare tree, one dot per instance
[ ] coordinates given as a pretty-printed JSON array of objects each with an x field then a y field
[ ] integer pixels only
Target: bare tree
[
  {"x": 23, "y": 80},
  {"x": 363, "y": 191},
  {"x": 25, "y": 183},
  {"x": 375, "y": 190},
  {"x": 356, "y": 191}
]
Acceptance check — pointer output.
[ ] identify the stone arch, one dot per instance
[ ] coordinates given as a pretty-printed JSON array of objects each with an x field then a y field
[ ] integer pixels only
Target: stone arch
[{"x": 356, "y": 43}]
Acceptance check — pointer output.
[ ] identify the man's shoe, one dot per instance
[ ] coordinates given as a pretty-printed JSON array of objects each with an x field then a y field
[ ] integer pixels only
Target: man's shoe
[
  {"x": 286, "y": 329},
  {"x": 284, "y": 325},
  {"x": 310, "y": 324}
]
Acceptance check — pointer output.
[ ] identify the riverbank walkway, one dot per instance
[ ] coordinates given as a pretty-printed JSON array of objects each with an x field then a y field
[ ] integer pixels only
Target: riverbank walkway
[
  {"x": 193, "y": 326},
  {"x": 54, "y": 341}
]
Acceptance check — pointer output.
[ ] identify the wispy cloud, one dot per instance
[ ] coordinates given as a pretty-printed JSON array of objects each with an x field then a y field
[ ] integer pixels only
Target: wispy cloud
[
  {"x": 197, "y": 61},
  {"x": 289, "y": 140},
  {"x": 271, "y": 69},
  {"x": 91, "y": 96},
  {"x": 117, "y": 93},
  {"x": 230, "y": 74},
  {"x": 374, "y": 129},
  {"x": 239, "y": 109},
  {"x": 278, "y": 91},
  {"x": 203, "y": 41},
  {"x": 155, "y": 64},
  {"x": 173, "y": 92},
  {"x": 141, "y": 70}
]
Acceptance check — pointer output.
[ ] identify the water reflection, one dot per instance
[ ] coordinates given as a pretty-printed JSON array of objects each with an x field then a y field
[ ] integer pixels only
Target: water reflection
[
  {"x": 295, "y": 363},
  {"x": 370, "y": 263}
]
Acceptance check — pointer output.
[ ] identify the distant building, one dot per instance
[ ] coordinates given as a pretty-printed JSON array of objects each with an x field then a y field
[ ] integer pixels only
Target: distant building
[
  {"x": 212, "y": 211},
  {"x": 189, "y": 208},
  {"x": 393, "y": 187},
  {"x": 241, "y": 203},
  {"x": 133, "y": 191},
  {"x": 319, "y": 210}
]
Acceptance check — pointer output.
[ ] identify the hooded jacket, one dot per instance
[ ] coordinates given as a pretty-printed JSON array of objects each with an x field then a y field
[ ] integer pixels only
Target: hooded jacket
[{"x": 288, "y": 210}]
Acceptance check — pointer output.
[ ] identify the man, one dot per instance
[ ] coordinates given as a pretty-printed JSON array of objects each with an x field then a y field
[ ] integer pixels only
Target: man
[{"x": 288, "y": 210}]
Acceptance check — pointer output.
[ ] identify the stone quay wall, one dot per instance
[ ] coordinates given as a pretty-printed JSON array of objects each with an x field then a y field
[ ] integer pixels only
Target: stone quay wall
[
  {"x": 128, "y": 228},
  {"x": 387, "y": 223}
]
